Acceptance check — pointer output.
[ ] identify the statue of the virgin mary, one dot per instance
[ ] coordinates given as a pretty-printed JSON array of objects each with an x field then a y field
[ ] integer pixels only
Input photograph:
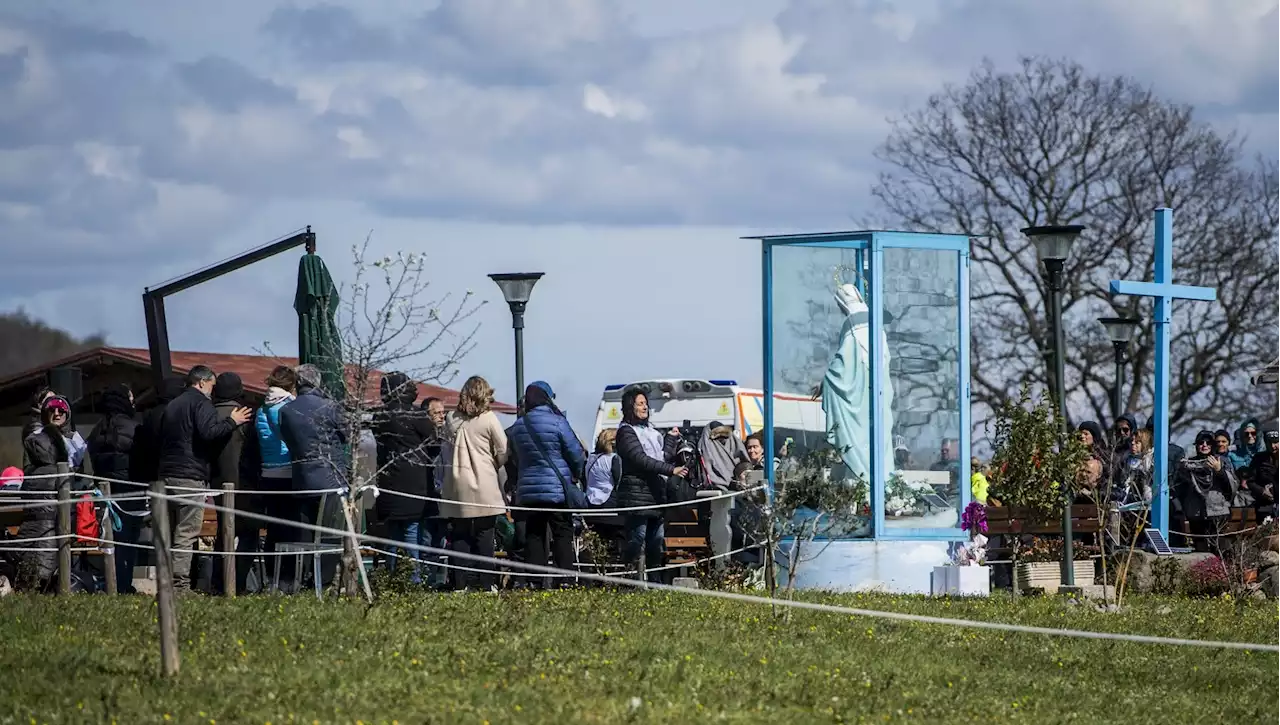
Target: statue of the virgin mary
[{"x": 846, "y": 389}]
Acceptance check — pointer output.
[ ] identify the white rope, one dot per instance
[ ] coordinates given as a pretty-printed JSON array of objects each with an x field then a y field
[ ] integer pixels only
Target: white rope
[
  {"x": 577, "y": 512},
  {"x": 793, "y": 604},
  {"x": 33, "y": 539},
  {"x": 214, "y": 552},
  {"x": 686, "y": 564},
  {"x": 1223, "y": 535}
]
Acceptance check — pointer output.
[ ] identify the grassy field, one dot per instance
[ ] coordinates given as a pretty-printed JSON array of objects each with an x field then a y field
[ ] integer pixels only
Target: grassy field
[{"x": 603, "y": 657}]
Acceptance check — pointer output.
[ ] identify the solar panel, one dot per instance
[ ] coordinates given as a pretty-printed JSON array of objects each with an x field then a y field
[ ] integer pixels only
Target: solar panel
[
  {"x": 1156, "y": 541},
  {"x": 935, "y": 501}
]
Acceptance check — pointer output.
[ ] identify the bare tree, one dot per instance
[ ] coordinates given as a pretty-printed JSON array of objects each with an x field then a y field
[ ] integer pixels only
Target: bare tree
[
  {"x": 391, "y": 319},
  {"x": 1051, "y": 144}
]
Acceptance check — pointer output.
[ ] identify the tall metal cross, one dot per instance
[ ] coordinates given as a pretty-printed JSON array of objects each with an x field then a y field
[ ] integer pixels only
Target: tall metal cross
[{"x": 1165, "y": 292}]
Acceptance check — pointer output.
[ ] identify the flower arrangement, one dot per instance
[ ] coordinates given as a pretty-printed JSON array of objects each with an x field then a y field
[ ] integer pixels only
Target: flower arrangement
[{"x": 974, "y": 519}]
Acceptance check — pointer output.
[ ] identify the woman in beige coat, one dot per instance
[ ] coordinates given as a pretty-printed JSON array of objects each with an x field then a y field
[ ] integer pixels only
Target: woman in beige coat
[{"x": 475, "y": 449}]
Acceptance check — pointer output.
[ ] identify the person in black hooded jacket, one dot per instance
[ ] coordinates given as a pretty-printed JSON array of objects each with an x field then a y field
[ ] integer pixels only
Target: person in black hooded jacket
[
  {"x": 406, "y": 440},
  {"x": 110, "y": 453},
  {"x": 645, "y": 455},
  {"x": 228, "y": 394},
  {"x": 144, "y": 459},
  {"x": 1263, "y": 477}
]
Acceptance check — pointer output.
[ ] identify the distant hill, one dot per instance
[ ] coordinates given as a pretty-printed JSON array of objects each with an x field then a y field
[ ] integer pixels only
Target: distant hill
[{"x": 26, "y": 342}]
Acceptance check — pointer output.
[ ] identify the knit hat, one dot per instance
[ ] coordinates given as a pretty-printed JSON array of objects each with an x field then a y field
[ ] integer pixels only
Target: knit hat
[{"x": 228, "y": 386}]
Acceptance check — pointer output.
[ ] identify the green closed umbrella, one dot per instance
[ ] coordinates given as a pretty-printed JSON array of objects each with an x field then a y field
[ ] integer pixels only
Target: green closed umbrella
[{"x": 316, "y": 303}]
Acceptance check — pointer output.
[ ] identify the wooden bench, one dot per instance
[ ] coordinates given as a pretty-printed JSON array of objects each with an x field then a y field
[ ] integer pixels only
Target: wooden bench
[{"x": 1015, "y": 520}]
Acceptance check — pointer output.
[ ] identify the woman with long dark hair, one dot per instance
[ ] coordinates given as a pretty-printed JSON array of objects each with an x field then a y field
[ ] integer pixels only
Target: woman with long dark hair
[{"x": 646, "y": 454}]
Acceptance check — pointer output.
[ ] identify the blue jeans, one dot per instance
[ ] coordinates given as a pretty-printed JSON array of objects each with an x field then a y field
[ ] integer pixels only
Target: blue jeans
[
  {"x": 427, "y": 532},
  {"x": 645, "y": 533}
]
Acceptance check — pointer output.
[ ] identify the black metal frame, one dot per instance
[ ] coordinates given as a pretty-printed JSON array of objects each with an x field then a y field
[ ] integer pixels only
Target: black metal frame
[{"x": 153, "y": 299}]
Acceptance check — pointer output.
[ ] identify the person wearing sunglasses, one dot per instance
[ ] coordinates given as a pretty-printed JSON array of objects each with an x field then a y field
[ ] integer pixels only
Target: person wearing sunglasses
[
  {"x": 44, "y": 448},
  {"x": 1207, "y": 485},
  {"x": 1248, "y": 443}
]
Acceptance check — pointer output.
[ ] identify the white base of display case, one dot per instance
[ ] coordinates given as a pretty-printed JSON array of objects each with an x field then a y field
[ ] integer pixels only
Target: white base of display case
[
  {"x": 961, "y": 581},
  {"x": 900, "y": 567}
]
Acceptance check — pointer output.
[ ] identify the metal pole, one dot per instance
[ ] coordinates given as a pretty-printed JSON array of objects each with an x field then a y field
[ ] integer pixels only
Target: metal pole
[
  {"x": 227, "y": 523},
  {"x": 64, "y": 528},
  {"x": 1117, "y": 405},
  {"x": 108, "y": 536},
  {"x": 517, "y": 324},
  {"x": 166, "y": 603},
  {"x": 1060, "y": 378}
]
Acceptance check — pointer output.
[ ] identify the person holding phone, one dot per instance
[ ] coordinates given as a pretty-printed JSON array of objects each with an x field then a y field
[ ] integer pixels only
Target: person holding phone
[{"x": 646, "y": 462}]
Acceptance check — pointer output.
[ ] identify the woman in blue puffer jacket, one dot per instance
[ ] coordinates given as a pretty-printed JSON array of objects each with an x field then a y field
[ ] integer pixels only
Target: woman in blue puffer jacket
[{"x": 547, "y": 457}]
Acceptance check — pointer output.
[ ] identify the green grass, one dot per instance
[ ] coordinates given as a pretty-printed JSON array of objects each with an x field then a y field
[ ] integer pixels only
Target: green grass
[{"x": 604, "y": 657}]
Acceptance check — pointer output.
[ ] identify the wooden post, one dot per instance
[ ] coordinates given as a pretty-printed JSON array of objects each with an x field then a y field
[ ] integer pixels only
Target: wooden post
[
  {"x": 109, "y": 546},
  {"x": 161, "y": 535},
  {"x": 227, "y": 522},
  {"x": 64, "y": 528}
]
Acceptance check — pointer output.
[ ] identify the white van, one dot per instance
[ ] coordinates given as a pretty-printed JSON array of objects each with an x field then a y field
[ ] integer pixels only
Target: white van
[{"x": 672, "y": 401}]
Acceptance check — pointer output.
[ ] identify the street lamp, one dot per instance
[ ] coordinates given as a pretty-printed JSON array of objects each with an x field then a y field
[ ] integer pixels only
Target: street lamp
[
  {"x": 1120, "y": 330},
  {"x": 516, "y": 288},
  {"x": 1053, "y": 246}
]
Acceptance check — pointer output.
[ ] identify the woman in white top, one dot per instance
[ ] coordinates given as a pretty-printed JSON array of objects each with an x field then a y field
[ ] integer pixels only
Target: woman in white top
[{"x": 476, "y": 450}]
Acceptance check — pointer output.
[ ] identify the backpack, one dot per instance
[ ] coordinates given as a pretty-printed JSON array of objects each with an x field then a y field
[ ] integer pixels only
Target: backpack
[{"x": 86, "y": 521}]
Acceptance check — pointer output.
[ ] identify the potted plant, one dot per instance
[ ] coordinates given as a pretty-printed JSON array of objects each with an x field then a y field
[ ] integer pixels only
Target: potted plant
[
  {"x": 968, "y": 574},
  {"x": 1040, "y": 564},
  {"x": 1033, "y": 466}
]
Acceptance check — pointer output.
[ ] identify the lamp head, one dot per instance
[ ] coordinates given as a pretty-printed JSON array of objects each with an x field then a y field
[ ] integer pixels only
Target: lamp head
[
  {"x": 516, "y": 286},
  {"x": 1120, "y": 329},
  {"x": 1053, "y": 243}
]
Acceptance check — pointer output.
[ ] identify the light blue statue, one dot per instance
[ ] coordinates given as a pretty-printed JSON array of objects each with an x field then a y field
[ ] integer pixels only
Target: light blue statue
[{"x": 846, "y": 390}]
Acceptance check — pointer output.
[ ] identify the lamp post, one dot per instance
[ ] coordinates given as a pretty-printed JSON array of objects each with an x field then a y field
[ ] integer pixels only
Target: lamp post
[
  {"x": 1120, "y": 330},
  {"x": 1053, "y": 246},
  {"x": 516, "y": 288}
]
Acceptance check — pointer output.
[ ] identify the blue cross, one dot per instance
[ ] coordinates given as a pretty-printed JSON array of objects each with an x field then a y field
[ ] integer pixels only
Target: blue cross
[{"x": 1165, "y": 292}]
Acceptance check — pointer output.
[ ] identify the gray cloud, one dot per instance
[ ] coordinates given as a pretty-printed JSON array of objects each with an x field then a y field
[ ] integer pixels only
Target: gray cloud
[
  {"x": 536, "y": 112},
  {"x": 489, "y": 42}
]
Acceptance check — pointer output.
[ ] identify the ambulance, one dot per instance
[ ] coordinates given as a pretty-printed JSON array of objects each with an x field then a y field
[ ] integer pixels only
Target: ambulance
[{"x": 672, "y": 401}]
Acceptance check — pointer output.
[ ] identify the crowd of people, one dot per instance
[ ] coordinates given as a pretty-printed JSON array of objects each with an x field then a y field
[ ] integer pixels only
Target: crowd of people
[
  {"x": 448, "y": 479},
  {"x": 1221, "y": 471}
]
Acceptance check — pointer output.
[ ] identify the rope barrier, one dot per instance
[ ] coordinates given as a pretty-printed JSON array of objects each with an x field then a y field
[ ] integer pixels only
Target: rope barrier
[
  {"x": 576, "y": 512},
  {"x": 793, "y": 604}
]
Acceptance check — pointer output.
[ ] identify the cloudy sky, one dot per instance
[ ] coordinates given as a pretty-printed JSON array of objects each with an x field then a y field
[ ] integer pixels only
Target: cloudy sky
[{"x": 621, "y": 147}]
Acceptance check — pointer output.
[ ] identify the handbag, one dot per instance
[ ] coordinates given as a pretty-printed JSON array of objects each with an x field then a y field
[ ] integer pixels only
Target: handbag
[{"x": 574, "y": 497}]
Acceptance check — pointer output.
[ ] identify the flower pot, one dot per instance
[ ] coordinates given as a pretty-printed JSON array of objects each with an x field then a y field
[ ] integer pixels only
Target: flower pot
[
  {"x": 961, "y": 581},
  {"x": 1047, "y": 575}
]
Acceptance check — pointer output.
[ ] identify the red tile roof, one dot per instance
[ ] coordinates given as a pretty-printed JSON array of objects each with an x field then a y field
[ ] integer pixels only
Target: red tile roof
[{"x": 252, "y": 369}]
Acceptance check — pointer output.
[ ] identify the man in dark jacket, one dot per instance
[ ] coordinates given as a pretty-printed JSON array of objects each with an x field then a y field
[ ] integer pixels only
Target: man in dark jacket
[
  {"x": 314, "y": 428},
  {"x": 228, "y": 394},
  {"x": 405, "y": 436},
  {"x": 190, "y": 432},
  {"x": 110, "y": 452}
]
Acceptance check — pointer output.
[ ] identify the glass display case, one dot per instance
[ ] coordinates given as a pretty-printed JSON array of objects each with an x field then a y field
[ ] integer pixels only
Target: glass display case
[{"x": 872, "y": 329}]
